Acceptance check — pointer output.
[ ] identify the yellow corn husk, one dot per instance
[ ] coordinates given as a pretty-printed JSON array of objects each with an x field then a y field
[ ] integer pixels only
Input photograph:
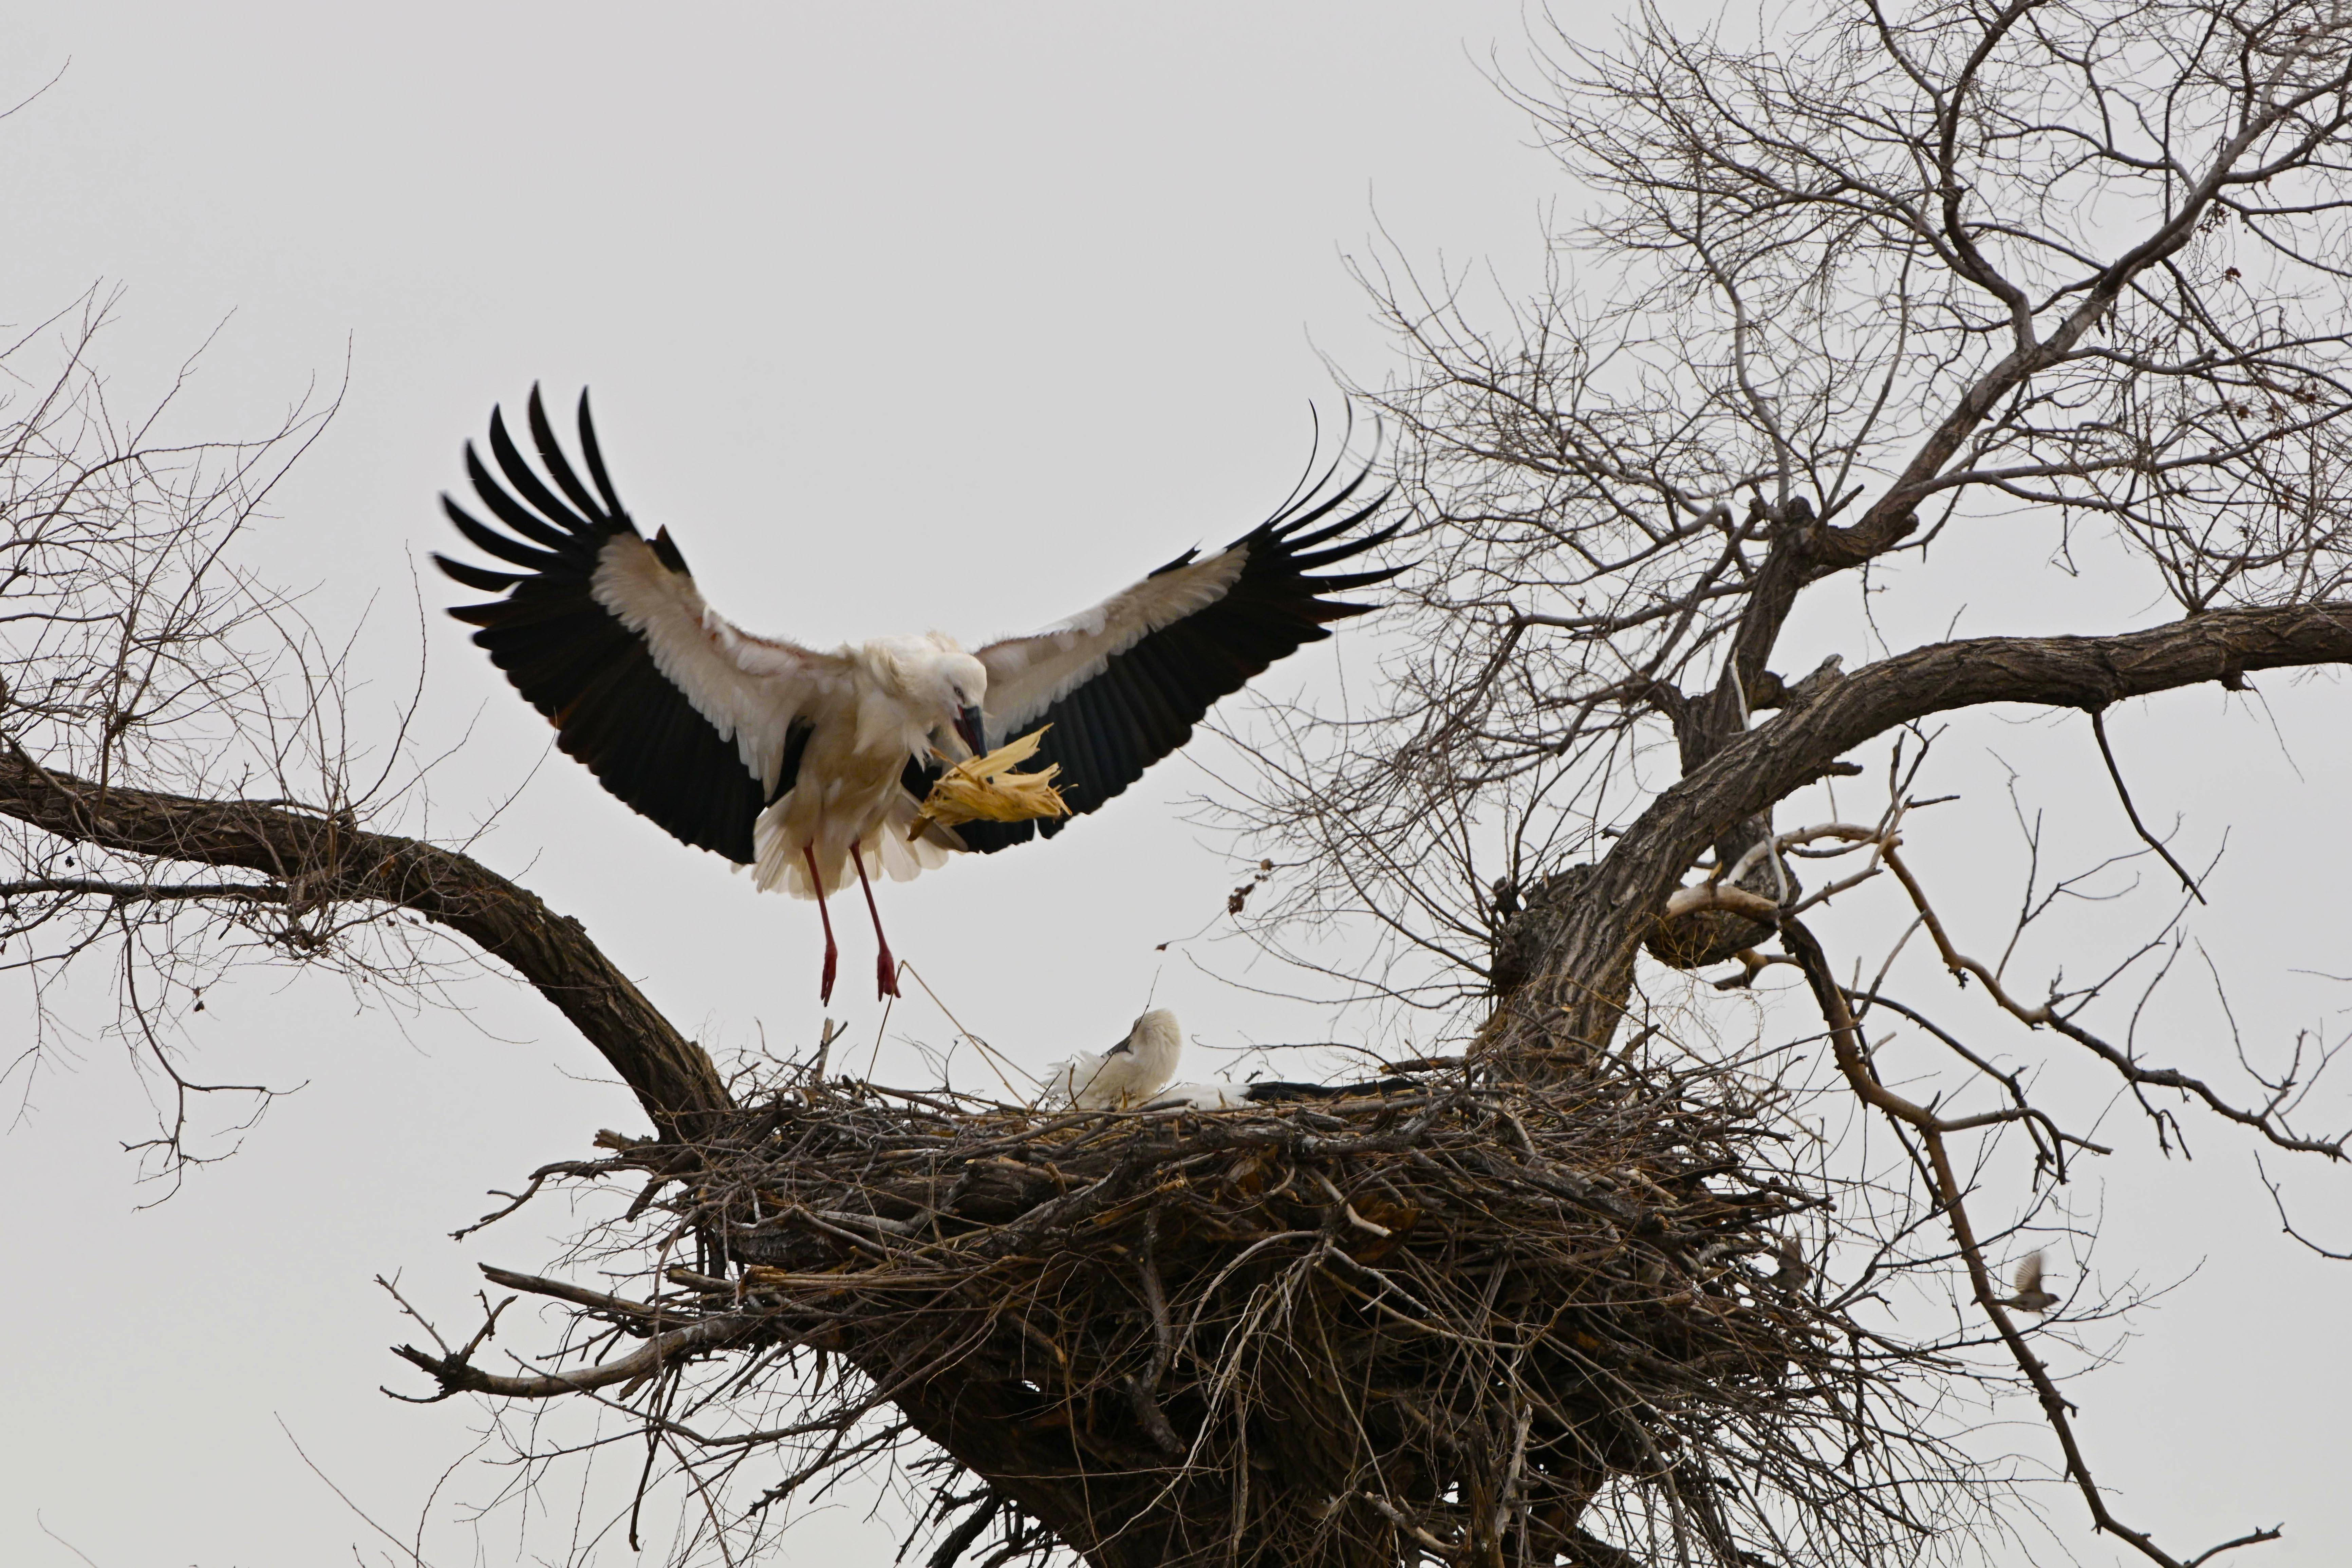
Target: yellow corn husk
[{"x": 985, "y": 789}]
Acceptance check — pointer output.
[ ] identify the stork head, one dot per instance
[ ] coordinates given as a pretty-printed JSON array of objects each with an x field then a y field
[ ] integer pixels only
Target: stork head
[
  {"x": 958, "y": 683},
  {"x": 933, "y": 685}
]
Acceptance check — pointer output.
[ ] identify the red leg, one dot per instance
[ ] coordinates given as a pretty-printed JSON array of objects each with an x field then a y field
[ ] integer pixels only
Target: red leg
[
  {"x": 832, "y": 952},
  {"x": 886, "y": 968}
]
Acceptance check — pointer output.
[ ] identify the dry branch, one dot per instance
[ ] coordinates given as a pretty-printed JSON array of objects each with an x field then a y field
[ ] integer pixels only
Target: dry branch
[
  {"x": 328, "y": 858},
  {"x": 1587, "y": 963},
  {"x": 1952, "y": 1199}
]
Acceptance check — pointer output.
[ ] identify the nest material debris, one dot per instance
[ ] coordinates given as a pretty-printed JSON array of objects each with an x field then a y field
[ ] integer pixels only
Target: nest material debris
[
  {"x": 1321, "y": 1334},
  {"x": 985, "y": 789}
]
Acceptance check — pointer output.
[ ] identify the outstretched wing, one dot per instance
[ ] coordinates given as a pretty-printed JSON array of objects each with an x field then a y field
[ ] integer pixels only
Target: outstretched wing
[
  {"x": 1123, "y": 684},
  {"x": 690, "y": 720}
]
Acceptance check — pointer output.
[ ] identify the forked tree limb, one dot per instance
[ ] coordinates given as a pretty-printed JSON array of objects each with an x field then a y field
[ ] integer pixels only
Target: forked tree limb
[
  {"x": 1587, "y": 964},
  {"x": 1951, "y": 1200},
  {"x": 325, "y": 859},
  {"x": 1803, "y": 551},
  {"x": 2139, "y": 1076}
]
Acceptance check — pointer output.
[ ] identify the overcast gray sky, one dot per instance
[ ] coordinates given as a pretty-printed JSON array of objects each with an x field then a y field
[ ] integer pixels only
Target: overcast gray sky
[{"x": 900, "y": 317}]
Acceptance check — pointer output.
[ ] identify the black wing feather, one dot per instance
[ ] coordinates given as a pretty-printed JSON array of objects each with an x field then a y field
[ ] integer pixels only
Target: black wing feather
[
  {"x": 592, "y": 678},
  {"x": 491, "y": 540},
  {"x": 595, "y": 456},
  {"x": 559, "y": 467},
  {"x": 1143, "y": 705},
  {"x": 535, "y": 494},
  {"x": 475, "y": 577}
]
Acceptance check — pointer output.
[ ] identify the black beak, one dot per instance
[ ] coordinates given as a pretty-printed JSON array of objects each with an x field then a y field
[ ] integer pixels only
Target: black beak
[{"x": 969, "y": 726}]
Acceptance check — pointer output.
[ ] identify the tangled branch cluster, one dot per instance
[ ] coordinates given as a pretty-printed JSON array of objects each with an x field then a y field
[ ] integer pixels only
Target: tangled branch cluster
[
  {"x": 134, "y": 647},
  {"x": 2001, "y": 279}
]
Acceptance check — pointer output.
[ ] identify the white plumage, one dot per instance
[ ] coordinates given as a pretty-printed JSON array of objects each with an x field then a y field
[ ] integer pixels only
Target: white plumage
[
  {"x": 1122, "y": 1078},
  {"x": 808, "y": 767},
  {"x": 1203, "y": 1096}
]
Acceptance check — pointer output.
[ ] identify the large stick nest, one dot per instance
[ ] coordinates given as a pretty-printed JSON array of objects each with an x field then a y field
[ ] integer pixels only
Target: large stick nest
[{"x": 1465, "y": 1321}]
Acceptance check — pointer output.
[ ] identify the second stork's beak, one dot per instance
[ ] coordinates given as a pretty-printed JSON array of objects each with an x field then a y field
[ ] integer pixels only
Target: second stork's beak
[{"x": 969, "y": 726}]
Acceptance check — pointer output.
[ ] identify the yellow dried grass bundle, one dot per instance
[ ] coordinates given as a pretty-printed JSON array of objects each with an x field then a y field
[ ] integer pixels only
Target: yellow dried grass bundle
[{"x": 985, "y": 789}]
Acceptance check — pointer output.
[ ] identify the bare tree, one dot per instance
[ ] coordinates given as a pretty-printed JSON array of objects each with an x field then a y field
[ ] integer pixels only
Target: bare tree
[
  {"x": 1887, "y": 281},
  {"x": 134, "y": 649},
  {"x": 1599, "y": 1289}
]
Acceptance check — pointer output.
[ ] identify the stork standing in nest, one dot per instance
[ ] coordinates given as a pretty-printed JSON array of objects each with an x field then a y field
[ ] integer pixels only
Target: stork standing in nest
[{"x": 806, "y": 766}]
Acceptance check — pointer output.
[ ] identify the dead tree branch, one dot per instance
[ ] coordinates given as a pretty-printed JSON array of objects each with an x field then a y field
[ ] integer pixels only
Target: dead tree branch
[
  {"x": 327, "y": 858},
  {"x": 1589, "y": 965},
  {"x": 1853, "y": 1060}
]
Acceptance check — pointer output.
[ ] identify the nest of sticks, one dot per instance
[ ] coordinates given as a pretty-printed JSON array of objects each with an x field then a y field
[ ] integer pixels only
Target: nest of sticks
[{"x": 1465, "y": 1322}]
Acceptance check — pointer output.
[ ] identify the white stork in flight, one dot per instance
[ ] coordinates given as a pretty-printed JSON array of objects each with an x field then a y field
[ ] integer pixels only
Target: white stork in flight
[{"x": 804, "y": 765}]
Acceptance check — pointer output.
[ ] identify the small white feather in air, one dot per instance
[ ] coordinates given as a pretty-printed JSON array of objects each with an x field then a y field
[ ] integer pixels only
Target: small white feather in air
[{"x": 1130, "y": 1073}]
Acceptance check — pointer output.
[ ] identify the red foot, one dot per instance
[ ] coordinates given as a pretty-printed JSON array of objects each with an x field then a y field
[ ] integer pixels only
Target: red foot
[
  {"x": 824, "y": 987},
  {"x": 885, "y": 976}
]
